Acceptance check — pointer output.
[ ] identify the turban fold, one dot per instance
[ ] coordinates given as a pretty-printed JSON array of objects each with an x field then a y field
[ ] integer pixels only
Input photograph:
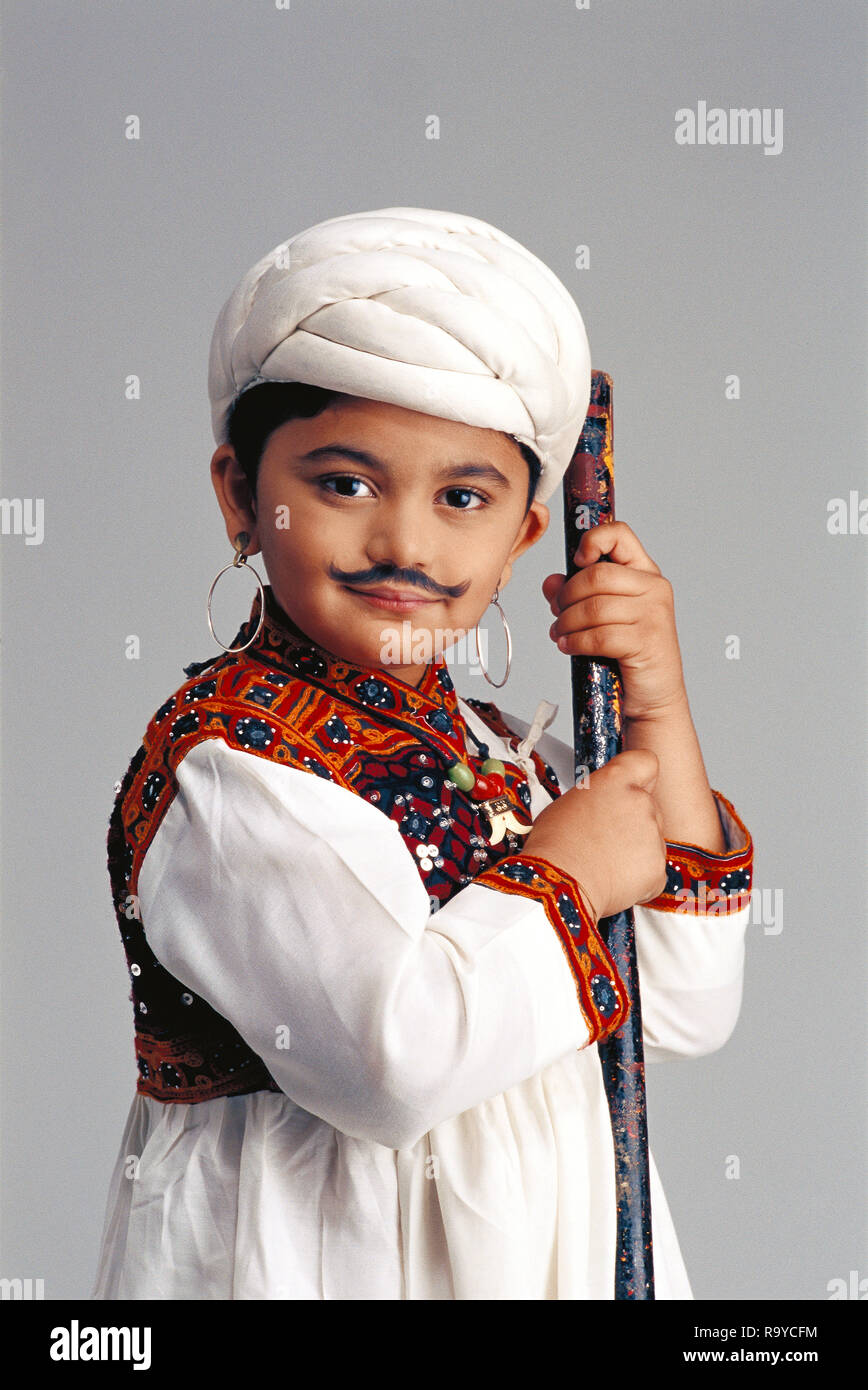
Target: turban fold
[{"x": 434, "y": 311}]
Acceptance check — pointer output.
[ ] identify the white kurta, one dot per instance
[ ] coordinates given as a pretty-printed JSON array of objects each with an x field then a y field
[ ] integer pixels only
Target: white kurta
[{"x": 448, "y": 1135}]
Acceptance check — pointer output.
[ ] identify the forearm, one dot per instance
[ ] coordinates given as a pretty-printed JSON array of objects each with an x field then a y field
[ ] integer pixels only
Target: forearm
[{"x": 682, "y": 791}]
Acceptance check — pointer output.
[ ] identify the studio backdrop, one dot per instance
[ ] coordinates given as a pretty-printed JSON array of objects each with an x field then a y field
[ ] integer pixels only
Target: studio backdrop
[{"x": 694, "y": 173}]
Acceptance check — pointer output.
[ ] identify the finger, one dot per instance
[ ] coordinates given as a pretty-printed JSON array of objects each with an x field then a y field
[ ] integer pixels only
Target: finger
[
  {"x": 607, "y": 579},
  {"x": 617, "y": 540},
  {"x": 608, "y": 642},
  {"x": 596, "y": 611},
  {"x": 551, "y": 586}
]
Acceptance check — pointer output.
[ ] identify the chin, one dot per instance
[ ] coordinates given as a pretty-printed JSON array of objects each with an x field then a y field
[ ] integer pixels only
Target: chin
[{"x": 350, "y": 638}]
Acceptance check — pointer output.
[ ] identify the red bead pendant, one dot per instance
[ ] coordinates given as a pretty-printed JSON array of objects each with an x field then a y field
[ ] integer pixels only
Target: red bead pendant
[{"x": 486, "y": 787}]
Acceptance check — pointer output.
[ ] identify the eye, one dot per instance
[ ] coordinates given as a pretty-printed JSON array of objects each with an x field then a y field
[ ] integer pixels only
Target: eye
[
  {"x": 467, "y": 492},
  {"x": 341, "y": 478}
]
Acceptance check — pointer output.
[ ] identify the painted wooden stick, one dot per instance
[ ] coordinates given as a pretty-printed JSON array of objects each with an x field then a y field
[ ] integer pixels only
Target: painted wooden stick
[{"x": 589, "y": 498}]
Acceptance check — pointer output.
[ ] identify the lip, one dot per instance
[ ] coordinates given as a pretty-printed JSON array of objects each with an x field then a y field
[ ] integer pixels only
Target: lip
[{"x": 391, "y": 600}]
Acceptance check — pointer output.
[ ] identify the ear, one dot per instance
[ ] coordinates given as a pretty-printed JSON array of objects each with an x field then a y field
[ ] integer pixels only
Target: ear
[
  {"x": 534, "y": 526},
  {"x": 234, "y": 496}
]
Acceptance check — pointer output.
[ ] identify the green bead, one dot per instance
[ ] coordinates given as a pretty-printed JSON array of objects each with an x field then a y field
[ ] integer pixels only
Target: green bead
[
  {"x": 493, "y": 765},
  {"x": 462, "y": 776}
]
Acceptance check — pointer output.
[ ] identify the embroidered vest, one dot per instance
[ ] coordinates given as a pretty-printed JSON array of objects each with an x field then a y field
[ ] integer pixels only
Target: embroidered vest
[{"x": 288, "y": 699}]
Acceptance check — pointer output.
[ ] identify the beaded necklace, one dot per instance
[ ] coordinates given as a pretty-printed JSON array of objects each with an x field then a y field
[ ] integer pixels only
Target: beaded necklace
[{"x": 486, "y": 791}]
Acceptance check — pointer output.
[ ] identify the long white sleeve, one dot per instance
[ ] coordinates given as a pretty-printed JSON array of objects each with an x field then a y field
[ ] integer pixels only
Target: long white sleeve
[
  {"x": 293, "y": 907},
  {"x": 690, "y": 963}
]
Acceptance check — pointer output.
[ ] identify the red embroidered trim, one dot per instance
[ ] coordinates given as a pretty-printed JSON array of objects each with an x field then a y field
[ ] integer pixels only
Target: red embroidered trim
[
  {"x": 182, "y": 1057},
  {"x": 700, "y": 884},
  {"x": 601, "y": 993}
]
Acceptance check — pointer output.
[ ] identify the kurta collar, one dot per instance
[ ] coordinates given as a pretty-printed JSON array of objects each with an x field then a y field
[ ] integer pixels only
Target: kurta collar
[{"x": 283, "y": 645}]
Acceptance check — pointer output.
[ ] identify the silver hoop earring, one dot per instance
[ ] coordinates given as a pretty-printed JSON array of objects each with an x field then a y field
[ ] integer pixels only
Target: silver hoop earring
[
  {"x": 242, "y": 540},
  {"x": 497, "y": 684}
]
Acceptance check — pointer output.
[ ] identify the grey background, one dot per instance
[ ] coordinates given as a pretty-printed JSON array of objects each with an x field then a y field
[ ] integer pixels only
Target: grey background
[{"x": 558, "y": 126}]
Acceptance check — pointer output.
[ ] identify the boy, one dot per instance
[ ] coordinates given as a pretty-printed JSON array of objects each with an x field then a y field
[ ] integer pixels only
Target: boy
[{"x": 364, "y": 1008}]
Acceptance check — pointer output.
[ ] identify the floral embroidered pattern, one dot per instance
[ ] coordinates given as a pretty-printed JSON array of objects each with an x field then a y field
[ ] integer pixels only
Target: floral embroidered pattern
[
  {"x": 296, "y": 704},
  {"x": 379, "y": 738}
]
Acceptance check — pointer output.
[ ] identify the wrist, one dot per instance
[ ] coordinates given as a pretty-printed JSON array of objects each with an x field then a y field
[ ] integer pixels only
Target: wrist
[
  {"x": 592, "y": 892},
  {"x": 674, "y": 712},
  {"x": 587, "y": 900}
]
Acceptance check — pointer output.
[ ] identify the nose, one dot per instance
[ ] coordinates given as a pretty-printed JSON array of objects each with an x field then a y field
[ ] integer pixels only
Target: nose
[{"x": 397, "y": 537}]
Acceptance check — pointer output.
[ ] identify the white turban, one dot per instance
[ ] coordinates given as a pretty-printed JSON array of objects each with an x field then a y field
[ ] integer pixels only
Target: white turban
[{"x": 434, "y": 311}]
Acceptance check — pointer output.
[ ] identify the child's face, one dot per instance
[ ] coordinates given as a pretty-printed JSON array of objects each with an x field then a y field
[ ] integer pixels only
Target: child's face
[{"x": 412, "y": 516}]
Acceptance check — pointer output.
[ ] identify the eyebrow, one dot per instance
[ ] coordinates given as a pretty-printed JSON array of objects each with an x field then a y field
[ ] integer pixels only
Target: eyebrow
[{"x": 470, "y": 469}]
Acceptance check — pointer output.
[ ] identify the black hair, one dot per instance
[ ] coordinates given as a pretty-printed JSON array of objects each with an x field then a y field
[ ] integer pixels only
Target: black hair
[{"x": 260, "y": 410}]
